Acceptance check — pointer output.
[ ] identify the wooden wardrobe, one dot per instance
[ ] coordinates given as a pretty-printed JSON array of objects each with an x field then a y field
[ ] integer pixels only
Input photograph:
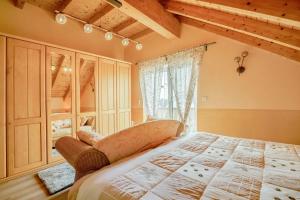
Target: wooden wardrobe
[
  {"x": 26, "y": 106},
  {"x": 44, "y": 87}
]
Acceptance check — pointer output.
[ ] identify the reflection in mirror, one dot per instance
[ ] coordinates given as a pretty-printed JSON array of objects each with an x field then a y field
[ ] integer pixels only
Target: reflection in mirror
[
  {"x": 60, "y": 128},
  {"x": 87, "y": 86},
  {"x": 88, "y": 124},
  {"x": 61, "y": 72}
]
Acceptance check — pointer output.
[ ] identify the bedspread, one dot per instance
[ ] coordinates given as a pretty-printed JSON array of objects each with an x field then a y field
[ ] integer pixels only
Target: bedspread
[{"x": 200, "y": 166}]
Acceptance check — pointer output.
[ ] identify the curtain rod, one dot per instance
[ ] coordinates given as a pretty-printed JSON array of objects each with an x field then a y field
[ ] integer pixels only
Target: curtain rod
[{"x": 205, "y": 44}]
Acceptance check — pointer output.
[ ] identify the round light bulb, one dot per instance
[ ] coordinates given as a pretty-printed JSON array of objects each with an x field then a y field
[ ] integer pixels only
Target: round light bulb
[
  {"x": 125, "y": 42},
  {"x": 65, "y": 69},
  {"x": 139, "y": 46},
  {"x": 60, "y": 18},
  {"x": 53, "y": 68},
  {"x": 108, "y": 35},
  {"x": 88, "y": 28}
]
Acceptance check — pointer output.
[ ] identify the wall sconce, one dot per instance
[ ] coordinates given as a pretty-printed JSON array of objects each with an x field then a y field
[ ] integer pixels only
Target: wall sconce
[{"x": 240, "y": 62}]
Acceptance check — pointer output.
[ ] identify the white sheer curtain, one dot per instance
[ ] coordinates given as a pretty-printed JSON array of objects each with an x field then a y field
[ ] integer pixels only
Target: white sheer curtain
[
  {"x": 168, "y": 86},
  {"x": 183, "y": 68},
  {"x": 151, "y": 78}
]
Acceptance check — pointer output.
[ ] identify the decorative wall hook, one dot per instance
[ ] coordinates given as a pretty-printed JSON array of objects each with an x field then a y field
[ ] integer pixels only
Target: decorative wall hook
[{"x": 240, "y": 62}]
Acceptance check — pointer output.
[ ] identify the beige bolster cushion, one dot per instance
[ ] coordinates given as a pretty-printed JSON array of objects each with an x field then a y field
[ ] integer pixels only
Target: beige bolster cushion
[
  {"x": 89, "y": 138},
  {"x": 138, "y": 138}
]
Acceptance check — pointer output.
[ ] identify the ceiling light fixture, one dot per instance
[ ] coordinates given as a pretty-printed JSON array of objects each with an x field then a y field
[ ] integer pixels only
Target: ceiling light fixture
[
  {"x": 88, "y": 28},
  {"x": 108, "y": 35},
  {"x": 139, "y": 46},
  {"x": 61, "y": 18},
  {"x": 53, "y": 68},
  {"x": 65, "y": 69},
  {"x": 125, "y": 42}
]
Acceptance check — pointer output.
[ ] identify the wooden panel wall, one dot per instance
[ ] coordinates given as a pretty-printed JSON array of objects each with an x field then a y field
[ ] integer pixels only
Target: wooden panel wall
[
  {"x": 107, "y": 86},
  {"x": 124, "y": 95},
  {"x": 26, "y": 112},
  {"x": 2, "y": 107}
]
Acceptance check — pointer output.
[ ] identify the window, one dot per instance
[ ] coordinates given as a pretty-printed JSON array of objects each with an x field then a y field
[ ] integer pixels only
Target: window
[
  {"x": 168, "y": 86},
  {"x": 161, "y": 97}
]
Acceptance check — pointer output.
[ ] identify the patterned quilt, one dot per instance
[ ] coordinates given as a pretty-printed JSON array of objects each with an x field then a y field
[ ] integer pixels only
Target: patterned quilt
[{"x": 207, "y": 166}]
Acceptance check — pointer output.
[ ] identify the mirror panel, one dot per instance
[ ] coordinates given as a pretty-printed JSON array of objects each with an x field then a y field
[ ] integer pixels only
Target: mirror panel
[
  {"x": 60, "y": 128},
  {"x": 61, "y": 83},
  {"x": 88, "y": 124},
  {"x": 87, "y": 86}
]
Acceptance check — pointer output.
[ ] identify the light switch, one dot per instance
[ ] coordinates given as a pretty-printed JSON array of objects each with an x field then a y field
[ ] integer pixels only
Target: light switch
[{"x": 204, "y": 99}]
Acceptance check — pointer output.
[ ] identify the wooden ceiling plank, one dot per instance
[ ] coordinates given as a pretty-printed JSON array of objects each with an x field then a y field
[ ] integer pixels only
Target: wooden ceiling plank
[
  {"x": 64, "y": 5},
  {"x": 123, "y": 25},
  {"x": 250, "y": 40},
  {"x": 141, "y": 34},
  {"x": 19, "y": 3},
  {"x": 153, "y": 15},
  {"x": 101, "y": 13},
  {"x": 288, "y": 9},
  {"x": 275, "y": 32}
]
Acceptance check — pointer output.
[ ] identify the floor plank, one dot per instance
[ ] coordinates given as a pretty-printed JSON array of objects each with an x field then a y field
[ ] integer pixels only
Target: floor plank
[{"x": 28, "y": 188}]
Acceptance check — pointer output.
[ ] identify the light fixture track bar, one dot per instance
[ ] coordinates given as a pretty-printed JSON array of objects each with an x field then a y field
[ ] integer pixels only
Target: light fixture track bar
[{"x": 97, "y": 27}]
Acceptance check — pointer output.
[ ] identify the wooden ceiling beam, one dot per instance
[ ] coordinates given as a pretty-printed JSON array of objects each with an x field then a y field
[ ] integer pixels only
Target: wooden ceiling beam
[
  {"x": 90, "y": 79},
  {"x": 288, "y": 9},
  {"x": 123, "y": 25},
  {"x": 64, "y": 5},
  {"x": 250, "y": 40},
  {"x": 153, "y": 15},
  {"x": 101, "y": 13},
  {"x": 59, "y": 70},
  {"x": 274, "y": 32},
  {"x": 19, "y": 3},
  {"x": 82, "y": 66},
  {"x": 141, "y": 34}
]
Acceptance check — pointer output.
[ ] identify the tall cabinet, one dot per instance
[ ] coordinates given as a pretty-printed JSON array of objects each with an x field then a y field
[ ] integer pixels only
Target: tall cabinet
[
  {"x": 123, "y": 95},
  {"x": 2, "y": 107},
  {"x": 108, "y": 96},
  {"x": 26, "y": 106},
  {"x": 47, "y": 93}
]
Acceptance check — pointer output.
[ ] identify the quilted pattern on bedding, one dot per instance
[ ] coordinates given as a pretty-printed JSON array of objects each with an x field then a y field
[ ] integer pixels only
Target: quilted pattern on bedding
[{"x": 208, "y": 166}]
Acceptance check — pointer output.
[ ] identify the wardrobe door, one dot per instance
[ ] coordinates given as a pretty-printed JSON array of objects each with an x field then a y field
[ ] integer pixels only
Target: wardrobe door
[
  {"x": 124, "y": 95},
  {"x": 2, "y": 107},
  {"x": 61, "y": 107},
  {"x": 26, "y": 112},
  {"x": 87, "y": 93},
  {"x": 107, "y": 94}
]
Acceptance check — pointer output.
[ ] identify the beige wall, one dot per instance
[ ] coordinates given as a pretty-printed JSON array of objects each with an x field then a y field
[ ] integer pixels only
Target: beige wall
[
  {"x": 37, "y": 24},
  {"x": 263, "y": 103}
]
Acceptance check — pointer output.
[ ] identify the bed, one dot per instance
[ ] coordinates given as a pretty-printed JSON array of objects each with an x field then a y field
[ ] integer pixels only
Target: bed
[
  {"x": 60, "y": 128},
  {"x": 199, "y": 165}
]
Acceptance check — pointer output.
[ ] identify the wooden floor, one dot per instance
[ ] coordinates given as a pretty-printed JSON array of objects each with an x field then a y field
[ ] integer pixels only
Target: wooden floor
[{"x": 28, "y": 188}]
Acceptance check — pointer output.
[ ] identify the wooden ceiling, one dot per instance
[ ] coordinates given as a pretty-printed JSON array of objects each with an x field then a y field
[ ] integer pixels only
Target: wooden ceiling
[
  {"x": 97, "y": 12},
  {"x": 273, "y": 25}
]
